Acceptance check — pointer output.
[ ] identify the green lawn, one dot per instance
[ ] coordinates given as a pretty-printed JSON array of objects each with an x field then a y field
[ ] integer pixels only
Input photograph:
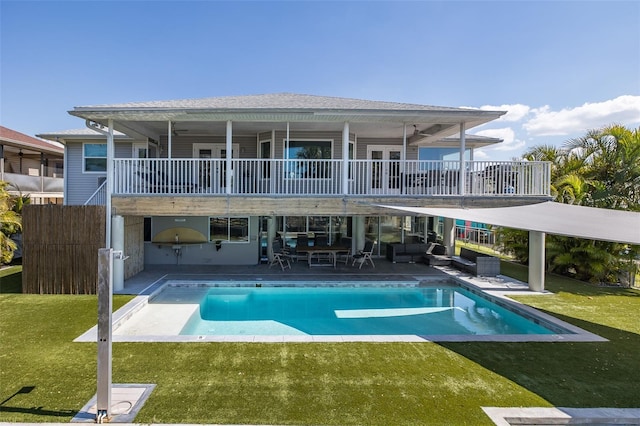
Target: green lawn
[{"x": 328, "y": 384}]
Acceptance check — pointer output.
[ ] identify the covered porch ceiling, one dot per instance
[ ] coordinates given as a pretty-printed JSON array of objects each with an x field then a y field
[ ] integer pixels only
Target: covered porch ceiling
[{"x": 549, "y": 217}]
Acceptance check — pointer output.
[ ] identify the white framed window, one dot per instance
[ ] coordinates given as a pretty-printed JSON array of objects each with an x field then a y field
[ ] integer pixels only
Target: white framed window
[
  {"x": 230, "y": 229},
  {"x": 94, "y": 157}
]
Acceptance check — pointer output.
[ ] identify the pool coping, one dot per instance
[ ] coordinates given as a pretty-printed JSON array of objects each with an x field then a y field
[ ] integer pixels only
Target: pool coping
[
  {"x": 497, "y": 289},
  {"x": 507, "y": 416}
]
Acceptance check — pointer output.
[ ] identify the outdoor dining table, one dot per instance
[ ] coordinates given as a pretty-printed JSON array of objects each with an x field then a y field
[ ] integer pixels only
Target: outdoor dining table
[{"x": 321, "y": 253}]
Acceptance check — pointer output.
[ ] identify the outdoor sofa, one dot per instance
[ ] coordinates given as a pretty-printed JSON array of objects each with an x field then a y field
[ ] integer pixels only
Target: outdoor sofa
[
  {"x": 406, "y": 252},
  {"x": 476, "y": 263},
  {"x": 436, "y": 255}
]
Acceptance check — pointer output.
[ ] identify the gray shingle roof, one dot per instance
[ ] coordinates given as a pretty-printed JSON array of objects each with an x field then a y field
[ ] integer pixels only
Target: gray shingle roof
[
  {"x": 79, "y": 132},
  {"x": 277, "y": 101}
]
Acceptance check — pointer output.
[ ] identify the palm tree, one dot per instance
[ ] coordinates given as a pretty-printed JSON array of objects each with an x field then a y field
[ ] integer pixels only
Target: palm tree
[
  {"x": 600, "y": 169},
  {"x": 611, "y": 159},
  {"x": 11, "y": 223}
]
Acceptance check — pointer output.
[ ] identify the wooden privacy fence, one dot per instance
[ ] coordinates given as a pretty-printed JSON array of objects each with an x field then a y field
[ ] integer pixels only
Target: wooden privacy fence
[{"x": 60, "y": 248}]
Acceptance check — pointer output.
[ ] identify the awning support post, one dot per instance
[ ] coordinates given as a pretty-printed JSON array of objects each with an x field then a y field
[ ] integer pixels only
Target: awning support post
[
  {"x": 449, "y": 237},
  {"x": 536, "y": 260}
]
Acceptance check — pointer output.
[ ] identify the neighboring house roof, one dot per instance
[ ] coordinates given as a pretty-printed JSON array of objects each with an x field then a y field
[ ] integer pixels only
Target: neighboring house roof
[
  {"x": 367, "y": 118},
  {"x": 24, "y": 142},
  {"x": 83, "y": 134},
  {"x": 471, "y": 141}
]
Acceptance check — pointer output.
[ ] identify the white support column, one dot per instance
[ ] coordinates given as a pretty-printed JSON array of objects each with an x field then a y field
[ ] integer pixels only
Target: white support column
[
  {"x": 345, "y": 158},
  {"x": 286, "y": 145},
  {"x": 117, "y": 241},
  {"x": 358, "y": 232},
  {"x": 449, "y": 237},
  {"x": 536, "y": 260},
  {"x": 109, "y": 188},
  {"x": 462, "y": 179},
  {"x": 229, "y": 147},
  {"x": 404, "y": 143},
  {"x": 271, "y": 235},
  {"x": 169, "y": 139}
]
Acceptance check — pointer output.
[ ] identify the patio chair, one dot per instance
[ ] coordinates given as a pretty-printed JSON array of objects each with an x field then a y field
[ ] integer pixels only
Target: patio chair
[
  {"x": 364, "y": 255},
  {"x": 345, "y": 256},
  {"x": 302, "y": 240},
  {"x": 321, "y": 240},
  {"x": 280, "y": 256}
]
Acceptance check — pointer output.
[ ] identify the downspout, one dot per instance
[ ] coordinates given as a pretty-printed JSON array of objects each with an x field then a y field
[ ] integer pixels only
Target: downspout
[
  {"x": 287, "y": 165},
  {"x": 463, "y": 166},
  {"x": 1, "y": 162},
  {"x": 65, "y": 174},
  {"x": 109, "y": 135},
  {"x": 403, "y": 170}
]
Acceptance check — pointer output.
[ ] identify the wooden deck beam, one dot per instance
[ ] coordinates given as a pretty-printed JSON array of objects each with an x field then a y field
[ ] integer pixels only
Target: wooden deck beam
[{"x": 293, "y": 206}]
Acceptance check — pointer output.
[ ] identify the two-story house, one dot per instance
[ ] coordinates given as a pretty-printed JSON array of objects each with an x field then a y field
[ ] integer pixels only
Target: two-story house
[{"x": 216, "y": 180}]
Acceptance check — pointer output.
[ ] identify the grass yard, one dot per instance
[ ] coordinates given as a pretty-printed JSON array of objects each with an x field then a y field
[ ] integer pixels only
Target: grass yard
[{"x": 45, "y": 377}]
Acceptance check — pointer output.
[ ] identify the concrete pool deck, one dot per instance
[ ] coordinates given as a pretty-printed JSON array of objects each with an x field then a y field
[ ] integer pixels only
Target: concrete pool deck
[{"x": 162, "y": 323}]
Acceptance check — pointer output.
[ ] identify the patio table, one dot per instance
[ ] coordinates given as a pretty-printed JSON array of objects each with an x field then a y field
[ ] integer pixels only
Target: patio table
[{"x": 322, "y": 252}]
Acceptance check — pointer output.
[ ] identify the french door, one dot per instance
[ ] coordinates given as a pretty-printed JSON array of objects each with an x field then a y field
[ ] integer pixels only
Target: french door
[
  {"x": 212, "y": 174},
  {"x": 385, "y": 167}
]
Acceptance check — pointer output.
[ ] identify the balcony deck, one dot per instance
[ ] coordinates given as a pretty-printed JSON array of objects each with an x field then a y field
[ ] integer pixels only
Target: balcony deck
[{"x": 297, "y": 187}]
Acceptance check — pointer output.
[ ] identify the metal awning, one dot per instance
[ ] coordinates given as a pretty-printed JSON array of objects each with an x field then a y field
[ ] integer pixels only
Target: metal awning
[{"x": 549, "y": 217}]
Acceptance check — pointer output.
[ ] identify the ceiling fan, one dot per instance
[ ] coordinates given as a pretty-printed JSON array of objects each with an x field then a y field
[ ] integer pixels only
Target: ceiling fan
[{"x": 175, "y": 131}]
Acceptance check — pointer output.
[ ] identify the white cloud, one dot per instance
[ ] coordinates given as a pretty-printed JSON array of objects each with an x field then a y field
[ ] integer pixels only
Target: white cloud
[
  {"x": 507, "y": 134},
  {"x": 510, "y": 143},
  {"x": 515, "y": 112},
  {"x": 624, "y": 110}
]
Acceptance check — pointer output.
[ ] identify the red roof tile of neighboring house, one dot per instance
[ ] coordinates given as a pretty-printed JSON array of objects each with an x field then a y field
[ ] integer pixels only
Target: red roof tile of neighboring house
[{"x": 20, "y": 140}]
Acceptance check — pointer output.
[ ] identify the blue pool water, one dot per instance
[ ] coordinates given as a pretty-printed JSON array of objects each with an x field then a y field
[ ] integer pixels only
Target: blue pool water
[{"x": 443, "y": 310}]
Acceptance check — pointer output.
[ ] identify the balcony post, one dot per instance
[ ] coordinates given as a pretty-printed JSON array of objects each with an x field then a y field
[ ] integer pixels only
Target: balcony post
[
  {"x": 345, "y": 158},
  {"x": 109, "y": 183},
  {"x": 169, "y": 137},
  {"x": 229, "y": 147},
  {"x": 462, "y": 178}
]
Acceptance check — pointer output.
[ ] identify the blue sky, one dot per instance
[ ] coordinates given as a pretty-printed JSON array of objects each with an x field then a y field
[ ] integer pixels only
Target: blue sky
[{"x": 559, "y": 67}]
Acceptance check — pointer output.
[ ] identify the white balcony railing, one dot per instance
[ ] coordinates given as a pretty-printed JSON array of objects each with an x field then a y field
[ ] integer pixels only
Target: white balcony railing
[{"x": 325, "y": 177}]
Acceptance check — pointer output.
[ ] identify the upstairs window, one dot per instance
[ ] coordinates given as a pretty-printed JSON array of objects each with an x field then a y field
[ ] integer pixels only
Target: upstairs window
[
  {"x": 316, "y": 151},
  {"x": 94, "y": 156}
]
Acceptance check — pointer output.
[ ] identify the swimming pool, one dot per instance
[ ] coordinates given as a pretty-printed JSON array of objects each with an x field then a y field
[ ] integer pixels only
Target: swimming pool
[
  {"x": 418, "y": 310},
  {"x": 442, "y": 310}
]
